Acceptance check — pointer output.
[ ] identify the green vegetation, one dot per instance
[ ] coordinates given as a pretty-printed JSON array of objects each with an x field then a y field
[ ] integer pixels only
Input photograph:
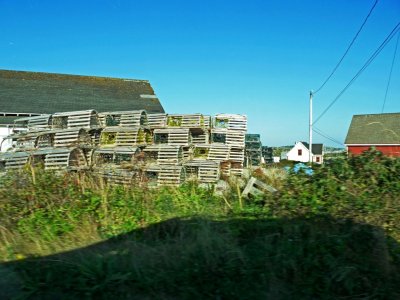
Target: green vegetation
[
  {"x": 333, "y": 235},
  {"x": 174, "y": 121}
]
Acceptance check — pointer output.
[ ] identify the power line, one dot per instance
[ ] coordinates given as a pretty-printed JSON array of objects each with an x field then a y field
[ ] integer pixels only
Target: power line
[
  {"x": 348, "y": 48},
  {"x": 323, "y": 134},
  {"x": 373, "y": 56},
  {"x": 390, "y": 74}
]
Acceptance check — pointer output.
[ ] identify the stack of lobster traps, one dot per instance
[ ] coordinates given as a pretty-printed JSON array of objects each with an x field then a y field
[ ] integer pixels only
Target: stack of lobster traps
[
  {"x": 60, "y": 141},
  {"x": 253, "y": 150},
  {"x": 117, "y": 157},
  {"x": 131, "y": 146},
  {"x": 230, "y": 130}
]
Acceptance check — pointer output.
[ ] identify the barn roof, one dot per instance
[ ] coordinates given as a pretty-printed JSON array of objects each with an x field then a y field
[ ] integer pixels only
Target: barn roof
[
  {"x": 374, "y": 129},
  {"x": 36, "y": 92}
]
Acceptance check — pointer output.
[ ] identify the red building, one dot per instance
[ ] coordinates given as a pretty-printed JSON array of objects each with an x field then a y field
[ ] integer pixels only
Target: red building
[{"x": 379, "y": 131}]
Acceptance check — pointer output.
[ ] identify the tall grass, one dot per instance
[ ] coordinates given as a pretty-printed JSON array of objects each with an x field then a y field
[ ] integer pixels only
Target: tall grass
[{"x": 332, "y": 235}]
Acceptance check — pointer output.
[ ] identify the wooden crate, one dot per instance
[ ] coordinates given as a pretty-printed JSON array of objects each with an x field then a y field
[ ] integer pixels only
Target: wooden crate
[
  {"x": 157, "y": 120},
  {"x": 202, "y": 170},
  {"x": 176, "y": 136},
  {"x": 75, "y": 119},
  {"x": 165, "y": 154},
  {"x": 133, "y": 118}
]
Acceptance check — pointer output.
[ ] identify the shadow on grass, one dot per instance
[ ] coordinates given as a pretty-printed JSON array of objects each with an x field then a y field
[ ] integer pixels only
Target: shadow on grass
[{"x": 198, "y": 258}]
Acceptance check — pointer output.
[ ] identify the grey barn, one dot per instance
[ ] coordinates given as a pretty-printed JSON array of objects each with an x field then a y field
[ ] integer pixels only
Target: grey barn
[{"x": 31, "y": 93}]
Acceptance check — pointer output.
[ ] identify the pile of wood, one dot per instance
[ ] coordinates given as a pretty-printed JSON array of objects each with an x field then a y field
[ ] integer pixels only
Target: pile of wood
[{"x": 131, "y": 146}]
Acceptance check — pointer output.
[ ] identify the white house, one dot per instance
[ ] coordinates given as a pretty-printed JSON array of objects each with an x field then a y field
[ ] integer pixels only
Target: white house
[
  {"x": 300, "y": 152},
  {"x": 5, "y": 130}
]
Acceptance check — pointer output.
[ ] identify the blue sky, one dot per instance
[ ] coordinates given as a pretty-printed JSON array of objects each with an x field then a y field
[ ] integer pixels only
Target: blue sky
[{"x": 258, "y": 58}]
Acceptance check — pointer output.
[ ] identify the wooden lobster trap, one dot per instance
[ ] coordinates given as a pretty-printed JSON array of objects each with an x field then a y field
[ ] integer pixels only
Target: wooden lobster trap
[
  {"x": 117, "y": 175},
  {"x": 200, "y": 136},
  {"x": 50, "y": 138},
  {"x": 2, "y": 162},
  {"x": 166, "y": 175},
  {"x": 15, "y": 160},
  {"x": 157, "y": 120},
  {"x": 175, "y": 136},
  {"x": 125, "y": 136},
  {"x": 113, "y": 157},
  {"x": 236, "y": 155},
  {"x": 36, "y": 123},
  {"x": 236, "y": 168},
  {"x": 22, "y": 141},
  {"x": 253, "y": 150},
  {"x": 133, "y": 118},
  {"x": 75, "y": 119},
  {"x": 66, "y": 138},
  {"x": 68, "y": 159},
  {"x": 214, "y": 151},
  {"x": 202, "y": 170},
  {"x": 236, "y": 160},
  {"x": 164, "y": 154},
  {"x": 116, "y": 165},
  {"x": 186, "y": 121},
  {"x": 230, "y": 121},
  {"x": 233, "y": 138},
  {"x": 231, "y": 168}
]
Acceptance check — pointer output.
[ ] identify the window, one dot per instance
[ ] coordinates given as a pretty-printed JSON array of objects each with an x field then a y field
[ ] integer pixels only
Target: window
[
  {"x": 299, "y": 152},
  {"x": 317, "y": 159}
]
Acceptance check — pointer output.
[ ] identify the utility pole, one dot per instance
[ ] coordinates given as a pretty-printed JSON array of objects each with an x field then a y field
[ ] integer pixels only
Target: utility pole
[{"x": 310, "y": 130}]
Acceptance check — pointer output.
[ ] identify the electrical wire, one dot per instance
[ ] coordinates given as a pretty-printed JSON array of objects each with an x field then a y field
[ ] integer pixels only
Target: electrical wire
[
  {"x": 373, "y": 56},
  {"x": 323, "y": 134},
  {"x": 348, "y": 48},
  {"x": 390, "y": 74}
]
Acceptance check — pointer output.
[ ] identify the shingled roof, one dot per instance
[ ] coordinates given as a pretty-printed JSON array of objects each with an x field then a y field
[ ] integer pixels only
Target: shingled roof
[
  {"x": 374, "y": 129},
  {"x": 316, "y": 149},
  {"x": 35, "y": 92}
]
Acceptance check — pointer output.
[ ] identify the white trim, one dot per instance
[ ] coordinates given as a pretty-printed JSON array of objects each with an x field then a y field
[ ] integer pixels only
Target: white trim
[{"x": 10, "y": 114}]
